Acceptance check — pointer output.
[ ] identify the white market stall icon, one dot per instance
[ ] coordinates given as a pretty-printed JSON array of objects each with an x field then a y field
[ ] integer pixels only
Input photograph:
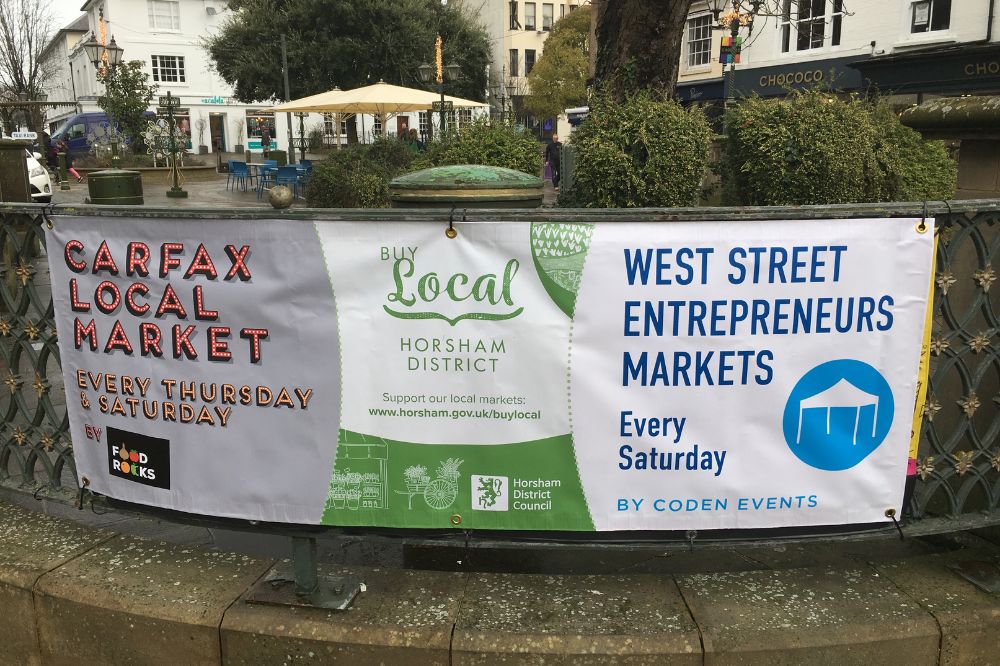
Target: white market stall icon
[{"x": 842, "y": 394}]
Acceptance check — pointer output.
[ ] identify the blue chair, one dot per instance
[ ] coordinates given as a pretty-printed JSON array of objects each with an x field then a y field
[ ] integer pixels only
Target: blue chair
[
  {"x": 240, "y": 174},
  {"x": 231, "y": 177},
  {"x": 265, "y": 180},
  {"x": 305, "y": 171},
  {"x": 288, "y": 176}
]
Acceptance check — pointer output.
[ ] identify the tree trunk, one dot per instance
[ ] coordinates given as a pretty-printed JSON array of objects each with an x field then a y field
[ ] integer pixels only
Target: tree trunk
[{"x": 638, "y": 44}]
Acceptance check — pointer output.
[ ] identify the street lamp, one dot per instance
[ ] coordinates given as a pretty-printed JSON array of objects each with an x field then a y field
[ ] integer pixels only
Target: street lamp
[
  {"x": 733, "y": 20},
  {"x": 95, "y": 51},
  {"x": 437, "y": 73}
]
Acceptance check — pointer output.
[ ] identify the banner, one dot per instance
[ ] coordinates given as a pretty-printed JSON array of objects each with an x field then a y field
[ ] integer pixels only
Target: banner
[{"x": 609, "y": 376}]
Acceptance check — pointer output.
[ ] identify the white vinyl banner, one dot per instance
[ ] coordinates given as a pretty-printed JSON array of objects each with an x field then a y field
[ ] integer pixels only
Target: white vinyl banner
[{"x": 529, "y": 376}]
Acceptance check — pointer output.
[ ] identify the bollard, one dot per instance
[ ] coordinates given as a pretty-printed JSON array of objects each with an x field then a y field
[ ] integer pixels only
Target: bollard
[{"x": 63, "y": 176}]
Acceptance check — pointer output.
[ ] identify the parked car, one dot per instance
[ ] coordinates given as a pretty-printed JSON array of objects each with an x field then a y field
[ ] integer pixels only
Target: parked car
[{"x": 38, "y": 176}]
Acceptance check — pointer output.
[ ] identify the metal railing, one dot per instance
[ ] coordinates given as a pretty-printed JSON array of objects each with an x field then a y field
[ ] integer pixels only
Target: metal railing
[{"x": 958, "y": 480}]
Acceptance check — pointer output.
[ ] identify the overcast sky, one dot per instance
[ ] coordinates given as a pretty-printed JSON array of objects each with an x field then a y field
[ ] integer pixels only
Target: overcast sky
[{"x": 65, "y": 11}]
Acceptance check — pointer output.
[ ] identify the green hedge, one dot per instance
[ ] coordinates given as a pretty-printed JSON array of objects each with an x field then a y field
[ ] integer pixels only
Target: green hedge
[
  {"x": 814, "y": 148},
  {"x": 357, "y": 176},
  {"x": 491, "y": 143},
  {"x": 641, "y": 152}
]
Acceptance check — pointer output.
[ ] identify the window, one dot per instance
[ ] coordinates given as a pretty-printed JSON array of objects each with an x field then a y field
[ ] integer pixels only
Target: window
[
  {"x": 514, "y": 23},
  {"x": 377, "y": 125},
  {"x": 562, "y": 10},
  {"x": 529, "y": 16},
  {"x": 928, "y": 15},
  {"x": 699, "y": 41},
  {"x": 804, "y": 24},
  {"x": 328, "y": 125},
  {"x": 512, "y": 68},
  {"x": 424, "y": 122},
  {"x": 464, "y": 117},
  {"x": 529, "y": 61},
  {"x": 547, "y": 14},
  {"x": 168, "y": 69},
  {"x": 164, "y": 14}
]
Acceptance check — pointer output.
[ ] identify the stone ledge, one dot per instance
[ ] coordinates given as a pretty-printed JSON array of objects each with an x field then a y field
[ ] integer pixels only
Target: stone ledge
[
  {"x": 132, "y": 600},
  {"x": 819, "y": 615},
  {"x": 81, "y": 595},
  {"x": 31, "y": 545},
  {"x": 402, "y": 617}
]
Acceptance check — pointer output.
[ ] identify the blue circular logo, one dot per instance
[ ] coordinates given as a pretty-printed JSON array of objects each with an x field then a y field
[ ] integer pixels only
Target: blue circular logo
[{"x": 837, "y": 414}]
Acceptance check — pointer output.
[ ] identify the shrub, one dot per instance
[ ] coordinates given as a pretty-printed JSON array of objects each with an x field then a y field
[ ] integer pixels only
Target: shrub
[
  {"x": 814, "y": 148},
  {"x": 493, "y": 143},
  {"x": 643, "y": 151},
  {"x": 358, "y": 176},
  {"x": 917, "y": 169}
]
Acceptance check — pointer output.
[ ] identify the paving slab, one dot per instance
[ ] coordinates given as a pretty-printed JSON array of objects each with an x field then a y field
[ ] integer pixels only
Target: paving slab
[
  {"x": 32, "y": 544},
  {"x": 579, "y": 620},
  {"x": 135, "y": 601},
  {"x": 969, "y": 617},
  {"x": 820, "y": 615},
  {"x": 402, "y": 617}
]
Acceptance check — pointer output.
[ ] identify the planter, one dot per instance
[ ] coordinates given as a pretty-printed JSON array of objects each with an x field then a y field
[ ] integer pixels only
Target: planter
[
  {"x": 203, "y": 150},
  {"x": 238, "y": 148}
]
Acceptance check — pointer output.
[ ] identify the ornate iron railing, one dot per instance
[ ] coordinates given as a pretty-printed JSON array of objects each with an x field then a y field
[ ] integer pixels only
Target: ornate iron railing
[{"x": 958, "y": 470}]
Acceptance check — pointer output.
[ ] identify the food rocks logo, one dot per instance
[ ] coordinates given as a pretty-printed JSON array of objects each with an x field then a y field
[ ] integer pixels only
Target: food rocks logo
[
  {"x": 139, "y": 458},
  {"x": 454, "y": 297}
]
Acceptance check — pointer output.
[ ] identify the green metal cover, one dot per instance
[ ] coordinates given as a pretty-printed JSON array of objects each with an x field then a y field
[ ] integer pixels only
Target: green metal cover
[
  {"x": 115, "y": 187},
  {"x": 467, "y": 185}
]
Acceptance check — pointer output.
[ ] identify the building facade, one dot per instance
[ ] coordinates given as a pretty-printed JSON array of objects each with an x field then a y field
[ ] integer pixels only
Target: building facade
[
  {"x": 61, "y": 86},
  {"x": 908, "y": 49},
  {"x": 517, "y": 31}
]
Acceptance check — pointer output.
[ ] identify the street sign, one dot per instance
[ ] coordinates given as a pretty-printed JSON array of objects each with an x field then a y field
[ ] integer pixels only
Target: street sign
[
  {"x": 170, "y": 100},
  {"x": 31, "y": 136},
  {"x": 443, "y": 106}
]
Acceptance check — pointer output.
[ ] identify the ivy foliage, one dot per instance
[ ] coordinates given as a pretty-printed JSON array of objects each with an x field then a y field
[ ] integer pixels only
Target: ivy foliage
[
  {"x": 815, "y": 148},
  {"x": 638, "y": 152}
]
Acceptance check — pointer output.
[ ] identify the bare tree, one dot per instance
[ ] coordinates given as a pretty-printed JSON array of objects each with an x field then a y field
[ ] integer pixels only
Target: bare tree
[{"x": 26, "y": 26}]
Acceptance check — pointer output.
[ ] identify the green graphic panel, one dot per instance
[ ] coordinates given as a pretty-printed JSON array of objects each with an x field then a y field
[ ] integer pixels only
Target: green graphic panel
[
  {"x": 560, "y": 251},
  {"x": 524, "y": 486}
]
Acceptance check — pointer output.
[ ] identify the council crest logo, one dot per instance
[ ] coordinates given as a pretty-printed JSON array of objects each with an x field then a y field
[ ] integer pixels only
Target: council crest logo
[{"x": 838, "y": 414}]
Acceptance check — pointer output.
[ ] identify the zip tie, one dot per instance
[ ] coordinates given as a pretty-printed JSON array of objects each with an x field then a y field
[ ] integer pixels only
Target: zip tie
[
  {"x": 891, "y": 514},
  {"x": 83, "y": 489},
  {"x": 39, "y": 489},
  {"x": 451, "y": 232},
  {"x": 691, "y": 535},
  {"x": 48, "y": 210},
  {"x": 922, "y": 225}
]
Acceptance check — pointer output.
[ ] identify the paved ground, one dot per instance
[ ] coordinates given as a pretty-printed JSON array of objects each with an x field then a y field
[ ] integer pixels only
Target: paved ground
[{"x": 205, "y": 189}]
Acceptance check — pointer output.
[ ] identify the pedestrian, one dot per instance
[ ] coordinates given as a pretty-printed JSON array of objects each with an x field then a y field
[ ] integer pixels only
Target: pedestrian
[
  {"x": 553, "y": 157},
  {"x": 414, "y": 143},
  {"x": 265, "y": 140},
  {"x": 62, "y": 147}
]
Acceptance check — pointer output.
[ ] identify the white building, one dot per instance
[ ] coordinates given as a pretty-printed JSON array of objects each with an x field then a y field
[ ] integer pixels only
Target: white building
[
  {"x": 909, "y": 48},
  {"x": 517, "y": 32},
  {"x": 61, "y": 86}
]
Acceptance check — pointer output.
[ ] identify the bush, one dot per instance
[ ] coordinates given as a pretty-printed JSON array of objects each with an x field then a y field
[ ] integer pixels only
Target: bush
[
  {"x": 358, "y": 176},
  {"x": 494, "y": 143},
  {"x": 917, "y": 169},
  {"x": 643, "y": 151},
  {"x": 814, "y": 148}
]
